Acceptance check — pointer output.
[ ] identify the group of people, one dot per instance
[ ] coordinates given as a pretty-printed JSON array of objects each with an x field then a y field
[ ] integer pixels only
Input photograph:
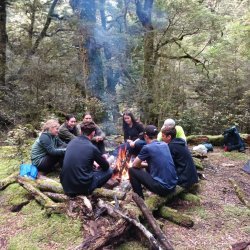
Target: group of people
[{"x": 161, "y": 159}]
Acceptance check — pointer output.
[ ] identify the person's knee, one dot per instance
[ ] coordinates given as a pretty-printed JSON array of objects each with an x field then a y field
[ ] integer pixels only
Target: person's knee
[{"x": 131, "y": 171}]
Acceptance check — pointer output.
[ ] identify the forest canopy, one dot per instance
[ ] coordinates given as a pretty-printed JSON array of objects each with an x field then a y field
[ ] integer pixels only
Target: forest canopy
[{"x": 184, "y": 59}]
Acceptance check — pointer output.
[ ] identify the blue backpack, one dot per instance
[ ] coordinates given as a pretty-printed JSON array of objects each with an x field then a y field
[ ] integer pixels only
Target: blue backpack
[{"x": 28, "y": 170}]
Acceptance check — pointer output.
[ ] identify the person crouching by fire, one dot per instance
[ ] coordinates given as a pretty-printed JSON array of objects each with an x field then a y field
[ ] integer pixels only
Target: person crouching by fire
[
  {"x": 160, "y": 176},
  {"x": 78, "y": 176}
]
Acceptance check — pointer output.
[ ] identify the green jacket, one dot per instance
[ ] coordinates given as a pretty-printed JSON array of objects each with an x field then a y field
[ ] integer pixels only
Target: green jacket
[
  {"x": 46, "y": 144},
  {"x": 179, "y": 133},
  {"x": 66, "y": 135}
]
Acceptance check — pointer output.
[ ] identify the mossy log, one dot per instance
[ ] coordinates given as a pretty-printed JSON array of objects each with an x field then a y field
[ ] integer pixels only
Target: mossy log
[
  {"x": 239, "y": 193},
  {"x": 8, "y": 180},
  {"x": 42, "y": 199},
  {"x": 215, "y": 140},
  {"x": 175, "y": 216},
  {"x": 154, "y": 202},
  {"x": 198, "y": 163},
  {"x": 191, "y": 198},
  {"x": 57, "y": 197}
]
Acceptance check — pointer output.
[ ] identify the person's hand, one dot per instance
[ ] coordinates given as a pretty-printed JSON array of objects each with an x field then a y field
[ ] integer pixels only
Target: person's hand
[
  {"x": 131, "y": 143},
  {"x": 98, "y": 138}
]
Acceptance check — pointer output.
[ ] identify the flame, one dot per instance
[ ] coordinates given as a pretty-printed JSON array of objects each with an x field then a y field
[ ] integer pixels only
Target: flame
[{"x": 122, "y": 164}]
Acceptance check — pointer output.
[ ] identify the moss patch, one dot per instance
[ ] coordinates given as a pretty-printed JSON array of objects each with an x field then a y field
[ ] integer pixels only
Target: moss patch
[{"x": 56, "y": 231}]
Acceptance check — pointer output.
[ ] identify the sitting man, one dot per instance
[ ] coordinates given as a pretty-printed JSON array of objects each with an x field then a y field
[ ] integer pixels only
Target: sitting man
[
  {"x": 183, "y": 161},
  {"x": 160, "y": 175},
  {"x": 170, "y": 123},
  {"x": 78, "y": 176},
  {"x": 68, "y": 129}
]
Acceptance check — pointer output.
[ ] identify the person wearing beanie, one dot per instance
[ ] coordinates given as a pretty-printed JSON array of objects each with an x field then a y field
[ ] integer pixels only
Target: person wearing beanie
[
  {"x": 160, "y": 176},
  {"x": 170, "y": 123}
]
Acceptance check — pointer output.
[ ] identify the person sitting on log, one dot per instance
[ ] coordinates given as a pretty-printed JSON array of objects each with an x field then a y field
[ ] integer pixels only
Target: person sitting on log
[
  {"x": 183, "y": 161},
  {"x": 170, "y": 123},
  {"x": 78, "y": 176},
  {"x": 99, "y": 137},
  {"x": 48, "y": 150},
  {"x": 160, "y": 175},
  {"x": 68, "y": 129},
  {"x": 133, "y": 133}
]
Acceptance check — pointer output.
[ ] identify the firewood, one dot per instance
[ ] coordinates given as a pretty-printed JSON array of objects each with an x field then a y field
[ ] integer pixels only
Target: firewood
[
  {"x": 45, "y": 201},
  {"x": 176, "y": 217},
  {"x": 115, "y": 212},
  {"x": 111, "y": 235},
  {"x": 57, "y": 197},
  {"x": 152, "y": 222},
  {"x": 8, "y": 180},
  {"x": 239, "y": 193}
]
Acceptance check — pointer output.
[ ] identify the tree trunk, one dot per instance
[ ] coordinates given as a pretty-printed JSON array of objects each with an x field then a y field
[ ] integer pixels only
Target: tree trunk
[{"x": 3, "y": 44}]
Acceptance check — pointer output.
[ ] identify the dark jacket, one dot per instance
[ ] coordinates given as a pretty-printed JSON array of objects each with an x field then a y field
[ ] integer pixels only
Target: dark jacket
[
  {"x": 183, "y": 161},
  {"x": 66, "y": 134},
  {"x": 77, "y": 171},
  {"x": 46, "y": 144},
  {"x": 133, "y": 132}
]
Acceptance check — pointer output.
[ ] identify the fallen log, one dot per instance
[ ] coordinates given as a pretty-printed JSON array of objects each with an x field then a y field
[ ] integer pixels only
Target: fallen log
[
  {"x": 115, "y": 212},
  {"x": 152, "y": 222},
  {"x": 8, "y": 180},
  {"x": 191, "y": 198},
  {"x": 45, "y": 201},
  {"x": 239, "y": 193},
  {"x": 154, "y": 202},
  {"x": 176, "y": 217},
  {"x": 215, "y": 140},
  {"x": 111, "y": 235},
  {"x": 198, "y": 163},
  {"x": 57, "y": 197}
]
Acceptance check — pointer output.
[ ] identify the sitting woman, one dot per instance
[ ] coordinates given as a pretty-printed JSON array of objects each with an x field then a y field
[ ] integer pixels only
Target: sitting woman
[
  {"x": 68, "y": 129},
  {"x": 133, "y": 134},
  {"x": 99, "y": 137},
  {"x": 48, "y": 149}
]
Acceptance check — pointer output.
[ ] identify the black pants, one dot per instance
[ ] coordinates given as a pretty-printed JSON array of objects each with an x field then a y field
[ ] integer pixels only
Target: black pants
[
  {"x": 139, "y": 177},
  {"x": 48, "y": 163}
]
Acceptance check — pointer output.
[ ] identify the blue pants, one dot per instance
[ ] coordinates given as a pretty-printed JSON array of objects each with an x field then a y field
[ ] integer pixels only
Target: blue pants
[{"x": 99, "y": 179}]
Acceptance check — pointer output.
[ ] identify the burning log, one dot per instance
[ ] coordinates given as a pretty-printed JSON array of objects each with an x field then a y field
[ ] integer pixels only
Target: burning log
[
  {"x": 152, "y": 222},
  {"x": 8, "y": 180}
]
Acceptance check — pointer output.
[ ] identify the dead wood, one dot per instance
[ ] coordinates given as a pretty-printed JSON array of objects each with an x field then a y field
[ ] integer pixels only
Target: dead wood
[
  {"x": 8, "y": 180},
  {"x": 45, "y": 201},
  {"x": 152, "y": 222},
  {"x": 176, "y": 217},
  {"x": 154, "y": 202},
  {"x": 191, "y": 198},
  {"x": 240, "y": 245},
  {"x": 115, "y": 212},
  {"x": 111, "y": 235},
  {"x": 57, "y": 197},
  {"x": 239, "y": 193},
  {"x": 198, "y": 163}
]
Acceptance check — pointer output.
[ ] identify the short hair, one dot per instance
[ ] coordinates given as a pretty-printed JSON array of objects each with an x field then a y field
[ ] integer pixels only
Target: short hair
[
  {"x": 69, "y": 116},
  {"x": 87, "y": 128},
  {"x": 169, "y": 131},
  {"x": 49, "y": 124},
  {"x": 169, "y": 123}
]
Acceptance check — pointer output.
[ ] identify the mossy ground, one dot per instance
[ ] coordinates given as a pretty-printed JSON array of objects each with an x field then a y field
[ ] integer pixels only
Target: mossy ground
[{"x": 220, "y": 220}]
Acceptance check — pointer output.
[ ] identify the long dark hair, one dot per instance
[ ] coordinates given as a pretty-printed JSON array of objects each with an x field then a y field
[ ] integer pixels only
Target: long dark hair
[{"x": 124, "y": 124}]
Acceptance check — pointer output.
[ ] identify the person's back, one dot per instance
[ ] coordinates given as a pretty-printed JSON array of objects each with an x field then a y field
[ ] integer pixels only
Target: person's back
[
  {"x": 184, "y": 165},
  {"x": 160, "y": 163},
  {"x": 183, "y": 161},
  {"x": 78, "y": 175}
]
